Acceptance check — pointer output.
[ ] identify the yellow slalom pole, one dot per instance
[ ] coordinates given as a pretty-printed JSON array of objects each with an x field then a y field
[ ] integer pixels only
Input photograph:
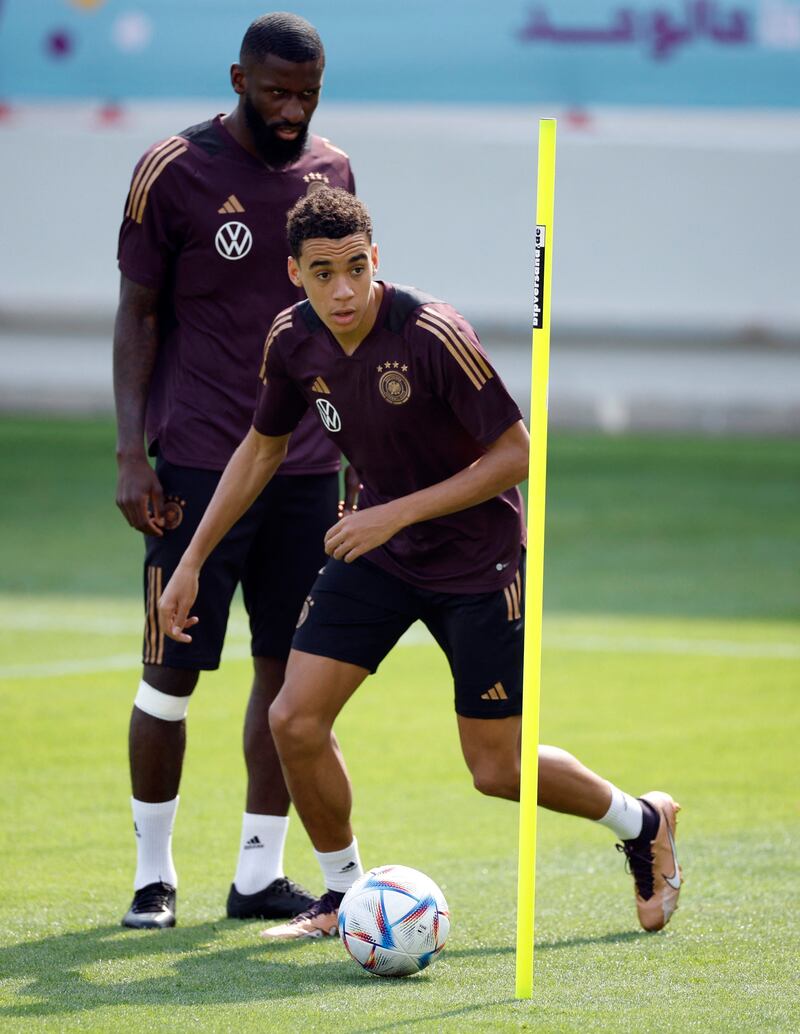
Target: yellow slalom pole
[{"x": 537, "y": 476}]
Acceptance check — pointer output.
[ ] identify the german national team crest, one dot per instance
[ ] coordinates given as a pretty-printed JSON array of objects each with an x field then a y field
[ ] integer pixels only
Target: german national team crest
[
  {"x": 393, "y": 384},
  {"x": 305, "y": 611},
  {"x": 172, "y": 512},
  {"x": 233, "y": 240}
]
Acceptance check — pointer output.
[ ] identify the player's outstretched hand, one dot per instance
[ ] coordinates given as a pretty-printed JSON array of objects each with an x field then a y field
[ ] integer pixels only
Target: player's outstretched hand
[
  {"x": 176, "y": 602},
  {"x": 140, "y": 496},
  {"x": 358, "y": 533}
]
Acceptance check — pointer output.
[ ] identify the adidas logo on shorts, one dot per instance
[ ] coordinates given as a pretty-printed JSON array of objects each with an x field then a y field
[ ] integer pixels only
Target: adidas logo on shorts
[{"x": 495, "y": 693}]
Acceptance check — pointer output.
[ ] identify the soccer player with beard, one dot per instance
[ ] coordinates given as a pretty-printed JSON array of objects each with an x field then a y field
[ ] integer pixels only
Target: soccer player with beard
[
  {"x": 202, "y": 252},
  {"x": 403, "y": 386}
]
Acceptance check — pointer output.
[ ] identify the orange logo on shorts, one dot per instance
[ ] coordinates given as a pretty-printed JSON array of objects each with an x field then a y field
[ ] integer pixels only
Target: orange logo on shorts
[
  {"x": 173, "y": 512},
  {"x": 305, "y": 610}
]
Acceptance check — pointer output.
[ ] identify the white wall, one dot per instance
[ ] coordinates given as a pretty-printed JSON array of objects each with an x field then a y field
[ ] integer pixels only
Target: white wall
[{"x": 681, "y": 222}]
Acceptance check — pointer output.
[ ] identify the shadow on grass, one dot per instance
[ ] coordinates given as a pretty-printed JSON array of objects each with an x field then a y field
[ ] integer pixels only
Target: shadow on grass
[
  {"x": 108, "y": 966},
  {"x": 568, "y": 942},
  {"x": 620, "y": 937},
  {"x": 430, "y": 1022},
  {"x": 193, "y": 965}
]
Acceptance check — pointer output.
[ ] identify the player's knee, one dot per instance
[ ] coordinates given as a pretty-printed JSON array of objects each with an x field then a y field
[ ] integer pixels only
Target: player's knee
[
  {"x": 295, "y": 731},
  {"x": 166, "y": 706},
  {"x": 178, "y": 682},
  {"x": 496, "y": 780}
]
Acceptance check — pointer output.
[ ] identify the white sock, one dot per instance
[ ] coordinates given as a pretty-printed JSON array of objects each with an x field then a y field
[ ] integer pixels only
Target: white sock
[
  {"x": 340, "y": 869},
  {"x": 152, "y": 824},
  {"x": 260, "y": 851},
  {"x": 624, "y": 816}
]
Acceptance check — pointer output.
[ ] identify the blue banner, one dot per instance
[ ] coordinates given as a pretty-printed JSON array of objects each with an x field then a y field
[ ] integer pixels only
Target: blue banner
[{"x": 743, "y": 53}]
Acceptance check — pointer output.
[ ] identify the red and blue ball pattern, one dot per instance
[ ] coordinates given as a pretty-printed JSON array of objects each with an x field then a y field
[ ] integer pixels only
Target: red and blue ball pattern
[{"x": 394, "y": 921}]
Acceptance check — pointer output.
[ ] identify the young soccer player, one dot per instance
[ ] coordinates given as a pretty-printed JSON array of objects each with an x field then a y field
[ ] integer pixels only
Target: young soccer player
[
  {"x": 402, "y": 385},
  {"x": 202, "y": 253}
]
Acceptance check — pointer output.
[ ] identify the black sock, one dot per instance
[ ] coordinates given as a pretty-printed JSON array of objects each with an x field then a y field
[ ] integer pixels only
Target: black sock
[{"x": 650, "y": 821}]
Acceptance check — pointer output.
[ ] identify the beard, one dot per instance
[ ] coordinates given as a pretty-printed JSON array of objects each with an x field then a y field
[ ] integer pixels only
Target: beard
[{"x": 270, "y": 147}]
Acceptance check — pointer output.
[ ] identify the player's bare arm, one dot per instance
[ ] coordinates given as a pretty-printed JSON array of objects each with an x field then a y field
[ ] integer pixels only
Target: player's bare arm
[
  {"x": 503, "y": 465},
  {"x": 250, "y": 468},
  {"x": 139, "y": 494}
]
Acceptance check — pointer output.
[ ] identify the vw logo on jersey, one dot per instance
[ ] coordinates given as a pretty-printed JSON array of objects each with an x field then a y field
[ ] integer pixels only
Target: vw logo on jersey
[
  {"x": 233, "y": 240},
  {"x": 330, "y": 418}
]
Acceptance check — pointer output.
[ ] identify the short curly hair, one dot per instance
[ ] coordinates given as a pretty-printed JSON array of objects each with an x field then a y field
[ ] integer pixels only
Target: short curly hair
[
  {"x": 285, "y": 35},
  {"x": 326, "y": 212}
]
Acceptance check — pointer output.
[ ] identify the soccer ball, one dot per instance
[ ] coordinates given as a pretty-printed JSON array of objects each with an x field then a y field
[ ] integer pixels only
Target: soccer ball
[{"x": 394, "y": 921}]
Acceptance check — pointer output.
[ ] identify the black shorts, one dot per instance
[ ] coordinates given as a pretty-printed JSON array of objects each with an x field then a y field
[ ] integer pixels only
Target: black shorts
[
  {"x": 275, "y": 550},
  {"x": 357, "y": 612}
]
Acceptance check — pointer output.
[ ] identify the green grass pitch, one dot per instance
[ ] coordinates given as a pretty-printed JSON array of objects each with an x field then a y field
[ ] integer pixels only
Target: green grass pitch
[{"x": 671, "y": 660}]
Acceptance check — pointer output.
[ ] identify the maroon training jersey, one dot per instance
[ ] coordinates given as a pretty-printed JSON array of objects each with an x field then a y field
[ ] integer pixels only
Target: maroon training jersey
[
  {"x": 416, "y": 402},
  {"x": 205, "y": 222}
]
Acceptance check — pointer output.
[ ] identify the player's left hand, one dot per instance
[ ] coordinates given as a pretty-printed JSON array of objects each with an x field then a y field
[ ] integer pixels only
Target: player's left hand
[
  {"x": 358, "y": 533},
  {"x": 175, "y": 603}
]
